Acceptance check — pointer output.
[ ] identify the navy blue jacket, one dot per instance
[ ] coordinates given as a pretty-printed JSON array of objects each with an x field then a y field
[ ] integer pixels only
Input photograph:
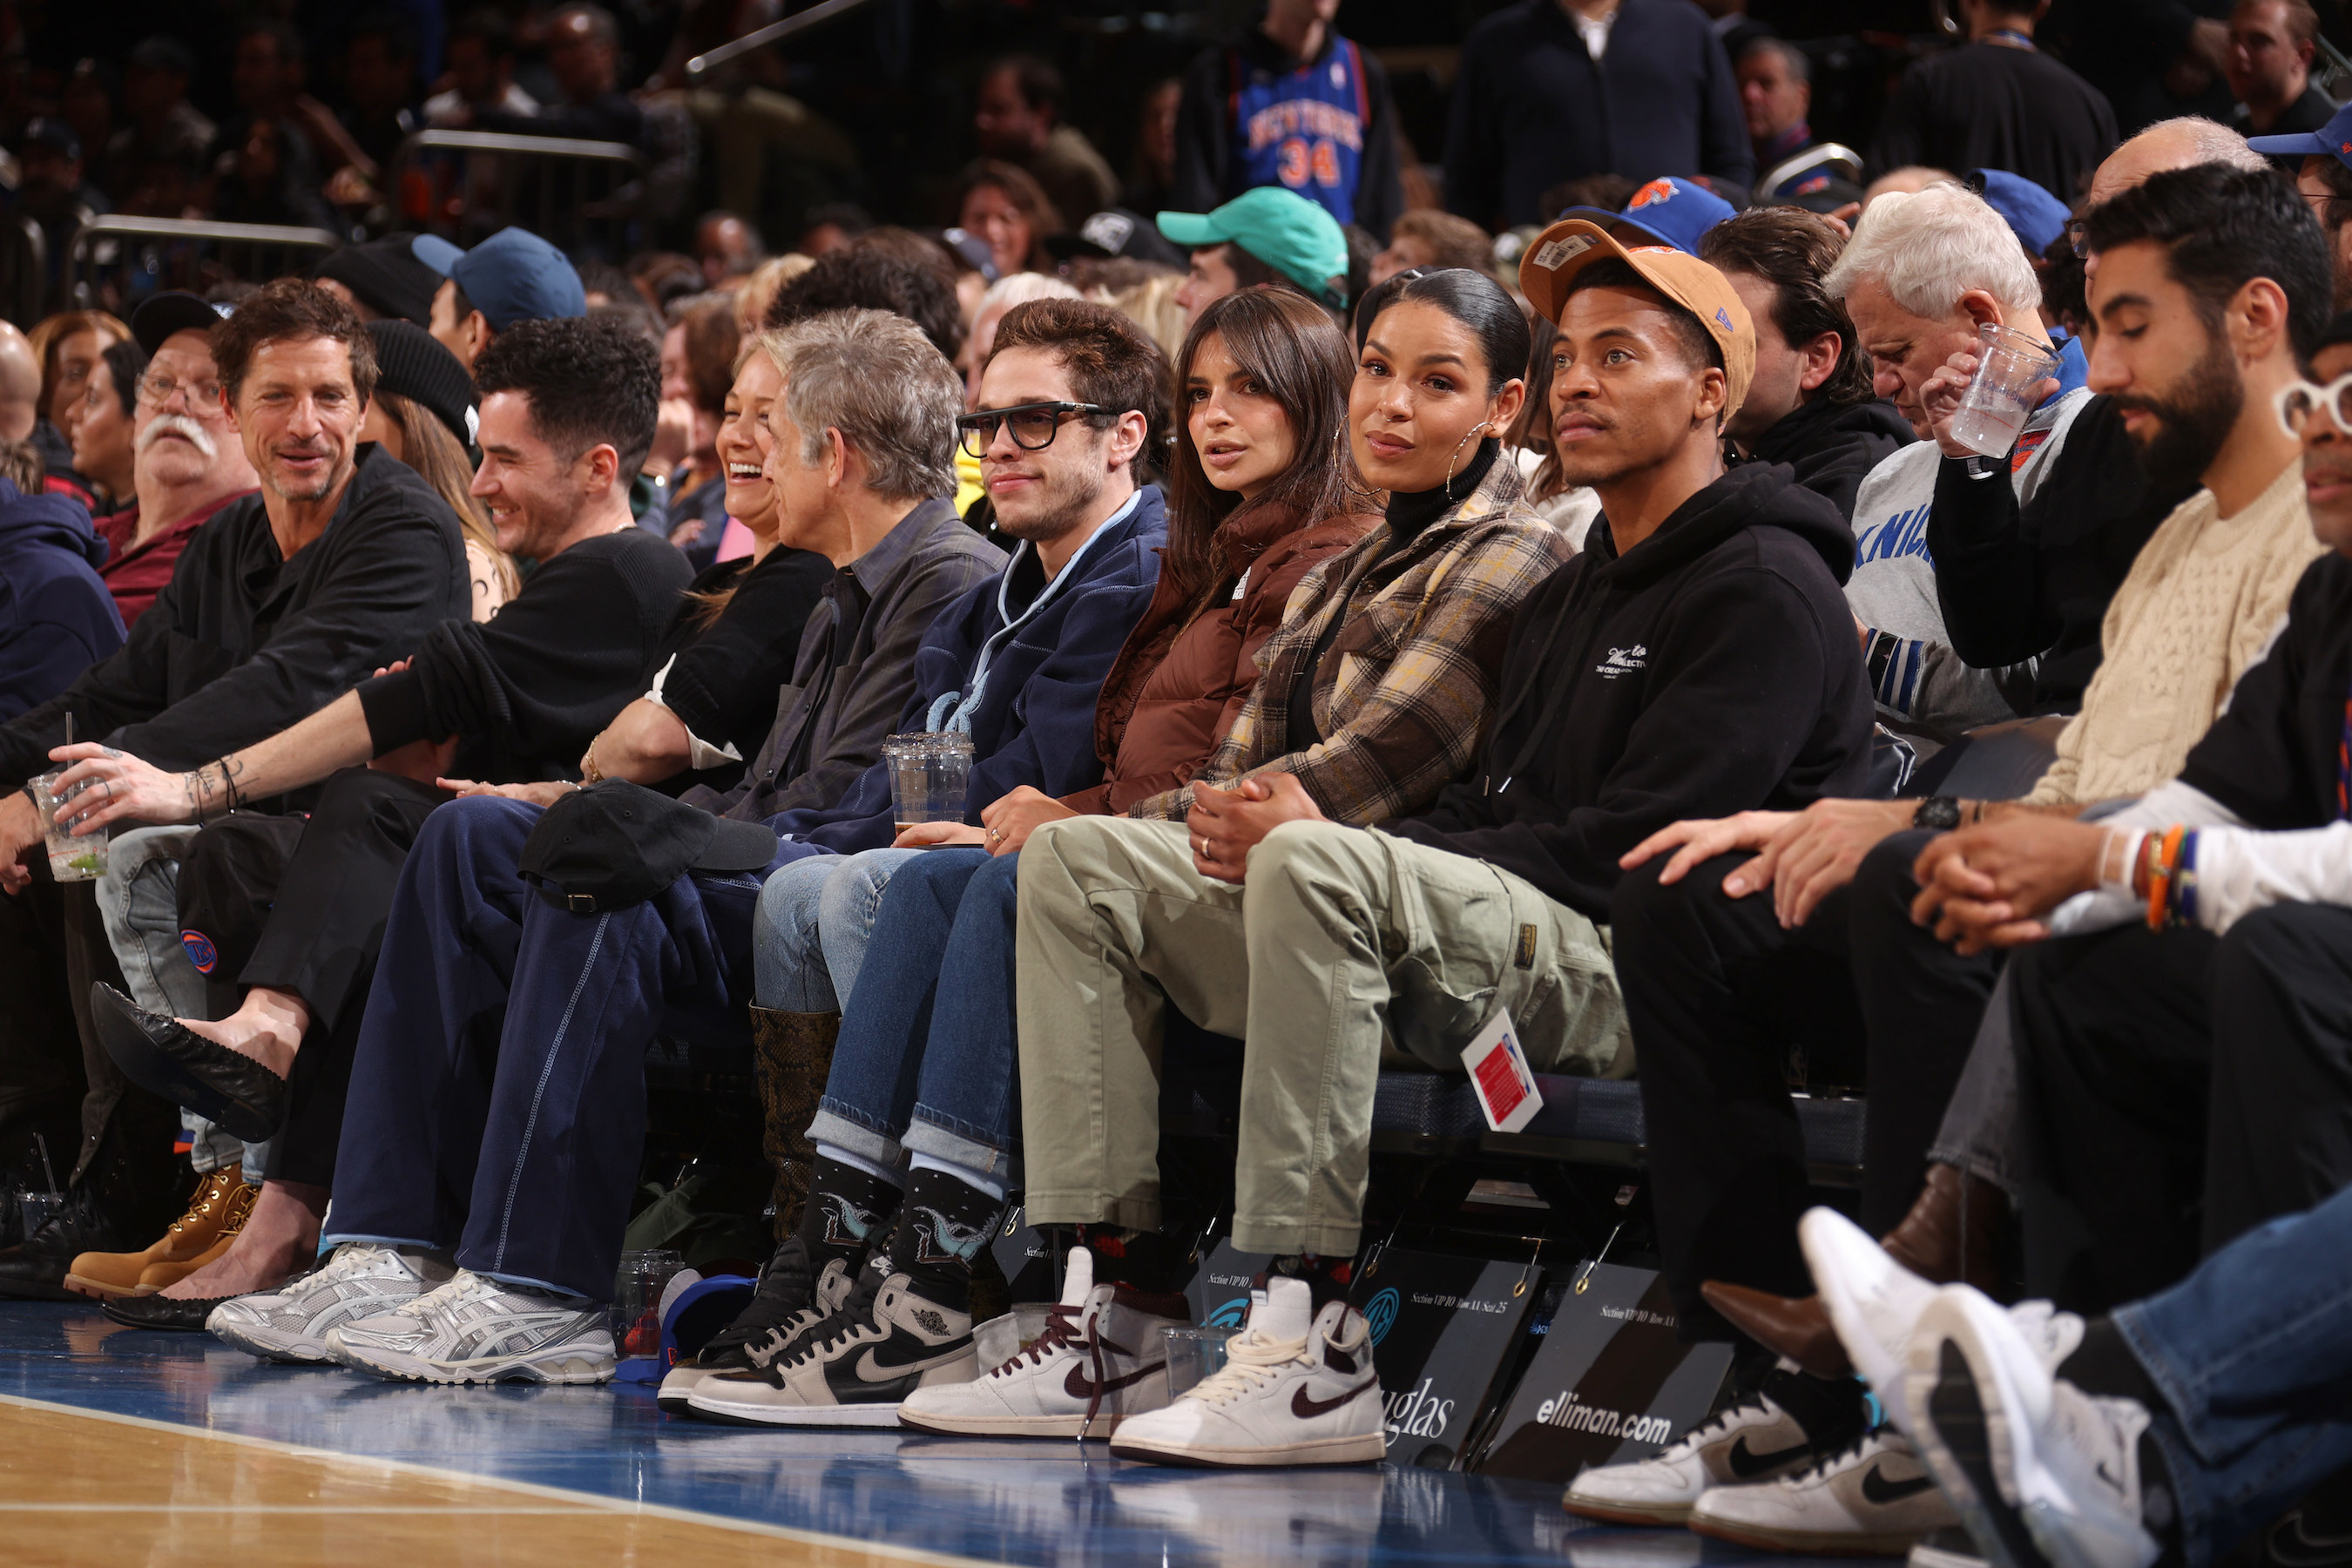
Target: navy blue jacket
[
  {"x": 56, "y": 619},
  {"x": 1034, "y": 723},
  {"x": 1532, "y": 108}
]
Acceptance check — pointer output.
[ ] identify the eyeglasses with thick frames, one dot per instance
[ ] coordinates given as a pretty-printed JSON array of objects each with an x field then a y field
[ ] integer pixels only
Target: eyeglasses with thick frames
[
  {"x": 155, "y": 391},
  {"x": 2299, "y": 401},
  {"x": 1034, "y": 424}
]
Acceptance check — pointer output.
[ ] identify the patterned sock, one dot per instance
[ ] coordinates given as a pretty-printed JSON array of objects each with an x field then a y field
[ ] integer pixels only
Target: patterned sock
[
  {"x": 947, "y": 1222},
  {"x": 848, "y": 1211}
]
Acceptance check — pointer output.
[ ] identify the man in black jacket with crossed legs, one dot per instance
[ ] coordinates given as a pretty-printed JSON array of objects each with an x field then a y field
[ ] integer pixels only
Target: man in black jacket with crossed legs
[
  {"x": 567, "y": 416},
  {"x": 341, "y": 563}
]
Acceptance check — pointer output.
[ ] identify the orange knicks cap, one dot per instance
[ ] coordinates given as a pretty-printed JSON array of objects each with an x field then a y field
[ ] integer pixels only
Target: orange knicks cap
[{"x": 1571, "y": 245}]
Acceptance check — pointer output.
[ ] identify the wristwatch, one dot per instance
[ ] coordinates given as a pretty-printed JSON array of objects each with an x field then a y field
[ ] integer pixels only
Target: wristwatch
[{"x": 1937, "y": 812}]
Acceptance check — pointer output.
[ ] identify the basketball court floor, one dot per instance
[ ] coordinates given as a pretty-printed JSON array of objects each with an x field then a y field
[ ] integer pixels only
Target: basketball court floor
[{"x": 119, "y": 1446}]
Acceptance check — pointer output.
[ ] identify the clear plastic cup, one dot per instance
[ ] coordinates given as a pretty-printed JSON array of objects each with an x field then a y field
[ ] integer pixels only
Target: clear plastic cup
[
  {"x": 1194, "y": 1354},
  {"x": 930, "y": 772},
  {"x": 71, "y": 860},
  {"x": 2000, "y": 398},
  {"x": 637, "y": 1314}
]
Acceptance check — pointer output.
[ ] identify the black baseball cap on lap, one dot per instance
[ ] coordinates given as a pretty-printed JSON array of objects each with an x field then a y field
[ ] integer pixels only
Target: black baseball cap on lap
[
  {"x": 615, "y": 844},
  {"x": 161, "y": 315}
]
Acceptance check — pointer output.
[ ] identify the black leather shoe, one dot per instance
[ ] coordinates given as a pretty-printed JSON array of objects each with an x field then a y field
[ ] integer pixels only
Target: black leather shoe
[
  {"x": 35, "y": 1269},
  {"x": 166, "y": 1057},
  {"x": 161, "y": 1313}
]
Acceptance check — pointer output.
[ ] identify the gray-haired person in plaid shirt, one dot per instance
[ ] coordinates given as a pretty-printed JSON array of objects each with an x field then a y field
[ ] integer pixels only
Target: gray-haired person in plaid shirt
[{"x": 1698, "y": 650}]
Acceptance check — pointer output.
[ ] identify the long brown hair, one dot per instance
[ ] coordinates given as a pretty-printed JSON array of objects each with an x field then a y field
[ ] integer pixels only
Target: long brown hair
[
  {"x": 427, "y": 447},
  {"x": 1290, "y": 345},
  {"x": 51, "y": 331},
  {"x": 1021, "y": 189}
]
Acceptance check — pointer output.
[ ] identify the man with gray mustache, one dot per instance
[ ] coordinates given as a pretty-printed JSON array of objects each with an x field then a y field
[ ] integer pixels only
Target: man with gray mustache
[{"x": 189, "y": 462}]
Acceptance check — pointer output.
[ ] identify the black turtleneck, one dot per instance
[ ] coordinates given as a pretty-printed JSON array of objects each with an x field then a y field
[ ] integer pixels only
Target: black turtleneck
[{"x": 1410, "y": 511}]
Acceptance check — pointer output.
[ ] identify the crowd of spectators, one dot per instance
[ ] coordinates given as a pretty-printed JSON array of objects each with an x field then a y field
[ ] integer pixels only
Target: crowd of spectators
[{"x": 1562, "y": 604}]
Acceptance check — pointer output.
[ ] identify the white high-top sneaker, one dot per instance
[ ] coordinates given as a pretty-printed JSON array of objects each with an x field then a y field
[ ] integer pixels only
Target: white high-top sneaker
[
  {"x": 479, "y": 1329},
  {"x": 362, "y": 1281},
  {"x": 1297, "y": 1388},
  {"x": 1102, "y": 1358},
  {"x": 1875, "y": 1500}
]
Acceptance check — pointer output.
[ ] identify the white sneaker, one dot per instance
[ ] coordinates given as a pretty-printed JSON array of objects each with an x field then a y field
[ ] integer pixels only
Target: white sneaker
[
  {"x": 1874, "y": 1499},
  {"x": 362, "y": 1281},
  {"x": 1875, "y": 1304},
  {"x": 2040, "y": 1471},
  {"x": 1754, "y": 1439},
  {"x": 1297, "y": 1388},
  {"x": 853, "y": 1368},
  {"x": 476, "y": 1330},
  {"x": 1102, "y": 1358}
]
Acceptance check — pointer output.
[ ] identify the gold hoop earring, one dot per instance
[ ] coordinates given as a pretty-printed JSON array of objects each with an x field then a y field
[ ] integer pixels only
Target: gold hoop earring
[{"x": 1456, "y": 458}]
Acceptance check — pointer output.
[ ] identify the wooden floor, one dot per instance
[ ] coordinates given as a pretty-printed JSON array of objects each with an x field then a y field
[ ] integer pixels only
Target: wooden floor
[
  {"x": 121, "y": 1448},
  {"x": 82, "y": 1488}
]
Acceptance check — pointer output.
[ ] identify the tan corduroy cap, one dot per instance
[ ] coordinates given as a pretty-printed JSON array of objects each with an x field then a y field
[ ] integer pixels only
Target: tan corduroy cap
[{"x": 1571, "y": 245}]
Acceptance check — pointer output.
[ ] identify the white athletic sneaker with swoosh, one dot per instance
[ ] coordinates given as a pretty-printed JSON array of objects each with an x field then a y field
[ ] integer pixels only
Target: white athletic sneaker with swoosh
[
  {"x": 1104, "y": 1354},
  {"x": 1758, "y": 1438},
  {"x": 479, "y": 1329},
  {"x": 1297, "y": 1388},
  {"x": 1876, "y": 1499},
  {"x": 853, "y": 1368},
  {"x": 2042, "y": 1472},
  {"x": 362, "y": 1281}
]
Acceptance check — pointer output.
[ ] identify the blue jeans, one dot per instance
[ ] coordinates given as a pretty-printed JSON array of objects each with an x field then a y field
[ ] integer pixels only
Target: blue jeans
[
  {"x": 2254, "y": 1352},
  {"x": 498, "y": 1099},
  {"x": 927, "y": 1062},
  {"x": 815, "y": 916}
]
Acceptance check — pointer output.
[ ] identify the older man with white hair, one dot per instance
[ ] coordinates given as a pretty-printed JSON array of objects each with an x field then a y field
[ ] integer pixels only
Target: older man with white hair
[
  {"x": 188, "y": 461},
  {"x": 1927, "y": 277}
]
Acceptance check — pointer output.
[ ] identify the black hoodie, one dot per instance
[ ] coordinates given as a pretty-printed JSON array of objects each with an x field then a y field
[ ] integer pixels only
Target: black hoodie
[
  {"x": 1832, "y": 447},
  {"x": 1712, "y": 669}
]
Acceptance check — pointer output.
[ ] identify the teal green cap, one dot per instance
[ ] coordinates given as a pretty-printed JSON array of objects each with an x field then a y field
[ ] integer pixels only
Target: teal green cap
[{"x": 1281, "y": 228}]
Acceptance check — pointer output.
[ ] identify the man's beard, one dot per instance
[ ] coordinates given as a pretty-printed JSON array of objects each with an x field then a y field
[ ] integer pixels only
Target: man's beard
[
  {"x": 2193, "y": 419},
  {"x": 1084, "y": 489},
  {"x": 330, "y": 477}
]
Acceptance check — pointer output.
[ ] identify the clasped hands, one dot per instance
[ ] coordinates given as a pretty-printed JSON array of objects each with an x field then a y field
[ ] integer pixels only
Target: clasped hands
[{"x": 1981, "y": 888}]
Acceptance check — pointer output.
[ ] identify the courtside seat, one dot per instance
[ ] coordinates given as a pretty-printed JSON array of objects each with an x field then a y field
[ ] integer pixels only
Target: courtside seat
[{"x": 1584, "y": 1119}]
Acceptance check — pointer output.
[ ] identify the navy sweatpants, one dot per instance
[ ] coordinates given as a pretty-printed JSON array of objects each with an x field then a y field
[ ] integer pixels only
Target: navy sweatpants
[{"x": 498, "y": 1101}]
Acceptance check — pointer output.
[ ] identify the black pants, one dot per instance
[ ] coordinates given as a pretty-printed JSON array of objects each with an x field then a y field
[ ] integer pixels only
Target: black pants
[
  {"x": 1718, "y": 994},
  {"x": 308, "y": 901},
  {"x": 2179, "y": 1089},
  {"x": 53, "y": 946}
]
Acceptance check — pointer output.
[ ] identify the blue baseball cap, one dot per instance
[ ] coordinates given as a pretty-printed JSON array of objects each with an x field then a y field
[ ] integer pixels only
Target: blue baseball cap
[
  {"x": 515, "y": 276},
  {"x": 1672, "y": 211},
  {"x": 2333, "y": 140},
  {"x": 2033, "y": 214},
  {"x": 435, "y": 252}
]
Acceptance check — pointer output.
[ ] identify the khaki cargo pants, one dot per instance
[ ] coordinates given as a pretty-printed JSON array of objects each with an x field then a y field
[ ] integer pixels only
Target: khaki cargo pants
[{"x": 1340, "y": 934}]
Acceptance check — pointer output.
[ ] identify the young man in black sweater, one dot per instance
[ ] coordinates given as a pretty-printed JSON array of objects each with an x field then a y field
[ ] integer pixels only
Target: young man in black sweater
[
  {"x": 567, "y": 415},
  {"x": 340, "y": 563}
]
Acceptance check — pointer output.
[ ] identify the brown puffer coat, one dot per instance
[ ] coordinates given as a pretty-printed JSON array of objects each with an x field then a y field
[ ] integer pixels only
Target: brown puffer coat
[{"x": 1178, "y": 683}]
